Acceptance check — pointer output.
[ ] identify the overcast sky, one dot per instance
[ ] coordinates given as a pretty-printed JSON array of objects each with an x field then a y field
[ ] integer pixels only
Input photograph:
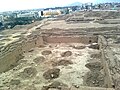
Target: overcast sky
[{"x": 6, "y": 5}]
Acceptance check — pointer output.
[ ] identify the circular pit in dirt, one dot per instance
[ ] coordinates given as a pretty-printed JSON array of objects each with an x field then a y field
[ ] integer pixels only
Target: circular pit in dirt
[
  {"x": 46, "y": 52},
  {"x": 51, "y": 73},
  {"x": 66, "y": 54}
]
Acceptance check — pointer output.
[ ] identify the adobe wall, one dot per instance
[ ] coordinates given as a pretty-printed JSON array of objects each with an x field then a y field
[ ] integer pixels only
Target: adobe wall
[
  {"x": 108, "y": 79},
  {"x": 69, "y": 39},
  {"x": 10, "y": 58},
  {"x": 112, "y": 64},
  {"x": 13, "y": 52}
]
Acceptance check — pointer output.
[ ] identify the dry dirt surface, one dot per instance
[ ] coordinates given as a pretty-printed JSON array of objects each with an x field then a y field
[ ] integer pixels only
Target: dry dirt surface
[
  {"x": 51, "y": 71},
  {"x": 60, "y": 66}
]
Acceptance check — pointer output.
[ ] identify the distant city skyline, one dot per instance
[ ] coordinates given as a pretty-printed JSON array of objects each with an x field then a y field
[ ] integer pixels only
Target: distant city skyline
[
  {"x": 105, "y": 1},
  {"x": 10, "y": 5}
]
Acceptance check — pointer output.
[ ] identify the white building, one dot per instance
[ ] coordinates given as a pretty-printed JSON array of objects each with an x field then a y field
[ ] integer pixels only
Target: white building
[
  {"x": 26, "y": 15},
  {"x": 40, "y": 13}
]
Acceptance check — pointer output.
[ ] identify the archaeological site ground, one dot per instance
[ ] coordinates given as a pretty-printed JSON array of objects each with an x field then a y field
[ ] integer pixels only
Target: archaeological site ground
[{"x": 78, "y": 51}]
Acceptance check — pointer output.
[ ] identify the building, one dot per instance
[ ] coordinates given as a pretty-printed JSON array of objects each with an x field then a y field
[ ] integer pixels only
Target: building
[
  {"x": 28, "y": 15},
  {"x": 50, "y": 13}
]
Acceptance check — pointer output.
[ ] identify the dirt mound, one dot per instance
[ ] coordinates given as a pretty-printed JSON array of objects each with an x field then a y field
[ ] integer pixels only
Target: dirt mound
[
  {"x": 51, "y": 73},
  {"x": 66, "y": 54},
  {"x": 93, "y": 66},
  {"x": 28, "y": 73},
  {"x": 62, "y": 62},
  {"x": 47, "y": 52},
  {"x": 39, "y": 60},
  {"x": 56, "y": 86},
  {"x": 94, "y": 79}
]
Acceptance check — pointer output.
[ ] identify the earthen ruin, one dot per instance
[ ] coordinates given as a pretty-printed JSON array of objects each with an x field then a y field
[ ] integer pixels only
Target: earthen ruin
[{"x": 61, "y": 54}]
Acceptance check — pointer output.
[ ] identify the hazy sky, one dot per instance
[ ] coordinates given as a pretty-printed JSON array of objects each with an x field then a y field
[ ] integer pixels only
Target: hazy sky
[{"x": 6, "y": 5}]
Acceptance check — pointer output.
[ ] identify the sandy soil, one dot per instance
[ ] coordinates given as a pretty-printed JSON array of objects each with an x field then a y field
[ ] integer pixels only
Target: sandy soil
[{"x": 71, "y": 74}]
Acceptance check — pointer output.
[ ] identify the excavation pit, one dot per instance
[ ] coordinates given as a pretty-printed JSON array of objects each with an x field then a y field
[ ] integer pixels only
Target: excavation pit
[
  {"x": 63, "y": 58},
  {"x": 65, "y": 64}
]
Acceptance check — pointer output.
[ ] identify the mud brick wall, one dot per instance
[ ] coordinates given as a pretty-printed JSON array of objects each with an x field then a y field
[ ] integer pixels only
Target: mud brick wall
[
  {"x": 112, "y": 65},
  {"x": 13, "y": 52},
  {"x": 68, "y": 39},
  {"x": 27, "y": 45},
  {"x": 108, "y": 80},
  {"x": 11, "y": 57}
]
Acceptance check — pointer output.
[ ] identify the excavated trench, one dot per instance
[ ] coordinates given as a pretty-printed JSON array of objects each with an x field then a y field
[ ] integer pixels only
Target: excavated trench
[{"x": 54, "y": 63}]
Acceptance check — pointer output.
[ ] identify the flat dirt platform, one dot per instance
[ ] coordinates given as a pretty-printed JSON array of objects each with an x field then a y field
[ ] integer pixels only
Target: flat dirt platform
[{"x": 50, "y": 63}]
